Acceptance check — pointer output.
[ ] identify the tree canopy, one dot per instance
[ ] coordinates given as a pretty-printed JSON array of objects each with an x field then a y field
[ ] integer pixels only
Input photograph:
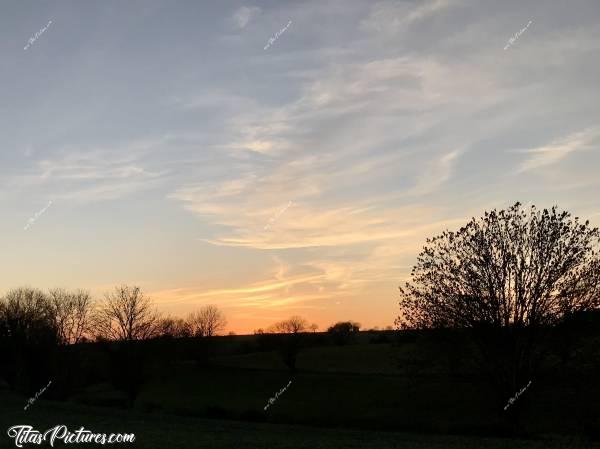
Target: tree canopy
[
  {"x": 508, "y": 268},
  {"x": 510, "y": 277}
]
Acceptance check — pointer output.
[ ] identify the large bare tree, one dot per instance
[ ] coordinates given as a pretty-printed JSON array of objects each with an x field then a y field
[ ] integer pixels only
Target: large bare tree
[
  {"x": 127, "y": 314},
  {"x": 73, "y": 314},
  {"x": 206, "y": 322},
  {"x": 28, "y": 338},
  {"x": 509, "y": 275},
  {"x": 24, "y": 312}
]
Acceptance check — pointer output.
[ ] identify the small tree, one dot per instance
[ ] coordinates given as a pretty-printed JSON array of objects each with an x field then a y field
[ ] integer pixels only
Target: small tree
[
  {"x": 292, "y": 325},
  {"x": 291, "y": 343},
  {"x": 173, "y": 328},
  {"x": 72, "y": 313},
  {"x": 127, "y": 315},
  {"x": 343, "y": 331},
  {"x": 345, "y": 327},
  {"x": 207, "y": 322}
]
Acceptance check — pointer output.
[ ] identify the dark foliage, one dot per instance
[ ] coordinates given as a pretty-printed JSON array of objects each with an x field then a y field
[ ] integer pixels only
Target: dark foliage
[
  {"x": 509, "y": 277},
  {"x": 343, "y": 332}
]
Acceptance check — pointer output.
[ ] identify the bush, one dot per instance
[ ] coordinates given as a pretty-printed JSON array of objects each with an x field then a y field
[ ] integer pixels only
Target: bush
[{"x": 344, "y": 332}]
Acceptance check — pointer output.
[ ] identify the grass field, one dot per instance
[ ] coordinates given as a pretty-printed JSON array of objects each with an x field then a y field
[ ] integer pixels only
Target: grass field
[
  {"x": 361, "y": 386},
  {"x": 360, "y": 395},
  {"x": 169, "y": 431}
]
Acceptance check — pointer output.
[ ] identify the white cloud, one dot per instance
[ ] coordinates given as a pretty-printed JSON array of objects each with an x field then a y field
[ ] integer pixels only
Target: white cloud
[
  {"x": 93, "y": 174},
  {"x": 389, "y": 17},
  {"x": 439, "y": 172},
  {"x": 242, "y": 16},
  {"x": 558, "y": 150}
]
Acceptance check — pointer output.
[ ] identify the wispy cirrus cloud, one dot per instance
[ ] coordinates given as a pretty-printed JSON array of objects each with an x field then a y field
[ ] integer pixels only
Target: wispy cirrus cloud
[
  {"x": 390, "y": 17},
  {"x": 363, "y": 142},
  {"x": 92, "y": 174},
  {"x": 385, "y": 122},
  {"x": 559, "y": 149}
]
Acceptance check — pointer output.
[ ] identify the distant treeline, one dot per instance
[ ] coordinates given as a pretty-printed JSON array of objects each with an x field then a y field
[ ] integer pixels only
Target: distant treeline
[
  {"x": 438, "y": 366},
  {"x": 47, "y": 335}
]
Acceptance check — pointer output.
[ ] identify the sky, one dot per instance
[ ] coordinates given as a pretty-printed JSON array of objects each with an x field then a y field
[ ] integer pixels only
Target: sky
[{"x": 282, "y": 158}]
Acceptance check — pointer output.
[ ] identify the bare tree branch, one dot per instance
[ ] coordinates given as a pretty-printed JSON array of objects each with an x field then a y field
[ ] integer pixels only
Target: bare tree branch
[
  {"x": 207, "y": 322},
  {"x": 127, "y": 315},
  {"x": 73, "y": 314}
]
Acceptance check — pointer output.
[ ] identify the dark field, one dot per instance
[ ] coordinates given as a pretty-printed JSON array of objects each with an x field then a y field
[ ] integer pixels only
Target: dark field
[
  {"x": 367, "y": 393},
  {"x": 169, "y": 431}
]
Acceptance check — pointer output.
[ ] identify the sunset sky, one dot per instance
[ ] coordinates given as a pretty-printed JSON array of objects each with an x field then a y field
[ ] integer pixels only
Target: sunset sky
[{"x": 181, "y": 156}]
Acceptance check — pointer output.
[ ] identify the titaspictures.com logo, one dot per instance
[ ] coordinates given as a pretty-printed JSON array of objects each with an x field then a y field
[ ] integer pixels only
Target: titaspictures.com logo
[{"x": 24, "y": 434}]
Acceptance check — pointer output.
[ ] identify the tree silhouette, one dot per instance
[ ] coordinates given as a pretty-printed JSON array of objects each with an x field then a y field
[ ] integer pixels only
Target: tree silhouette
[
  {"x": 28, "y": 337},
  {"x": 344, "y": 327},
  {"x": 508, "y": 275},
  {"x": 72, "y": 313},
  {"x": 173, "y": 328},
  {"x": 127, "y": 315},
  {"x": 207, "y": 322},
  {"x": 292, "y": 325},
  {"x": 291, "y": 343},
  {"x": 343, "y": 331}
]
